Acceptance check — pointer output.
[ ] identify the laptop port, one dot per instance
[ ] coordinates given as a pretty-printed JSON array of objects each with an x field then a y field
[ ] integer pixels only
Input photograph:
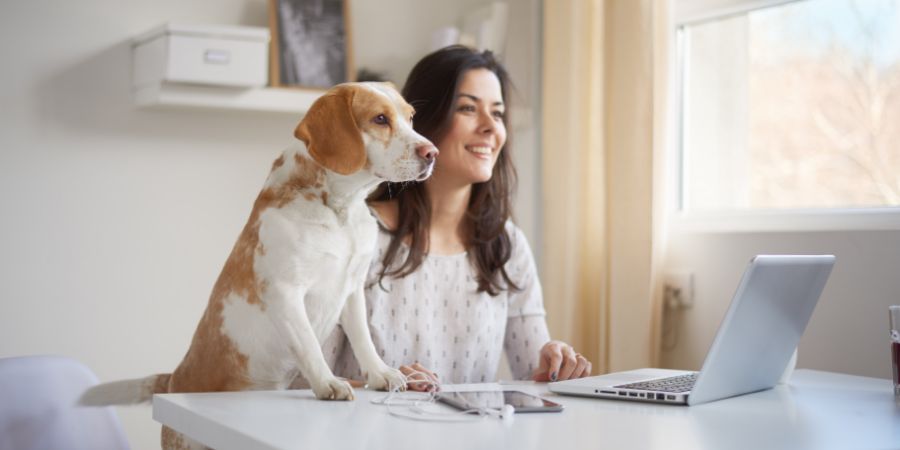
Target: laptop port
[
  {"x": 632, "y": 394},
  {"x": 623, "y": 393},
  {"x": 660, "y": 397},
  {"x": 608, "y": 392},
  {"x": 670, "y": 397}
]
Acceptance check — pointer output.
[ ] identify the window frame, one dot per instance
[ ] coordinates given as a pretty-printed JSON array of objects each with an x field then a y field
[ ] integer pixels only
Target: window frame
[{"x": 693, "y": 12}]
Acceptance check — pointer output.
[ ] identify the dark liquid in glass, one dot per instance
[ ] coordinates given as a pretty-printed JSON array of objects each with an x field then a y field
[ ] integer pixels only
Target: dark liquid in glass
[{"x": 895, "y": 362}]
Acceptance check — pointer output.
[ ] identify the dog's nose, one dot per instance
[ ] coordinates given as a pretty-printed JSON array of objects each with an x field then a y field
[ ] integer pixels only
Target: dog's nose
[{"x": 427, "y": 151}]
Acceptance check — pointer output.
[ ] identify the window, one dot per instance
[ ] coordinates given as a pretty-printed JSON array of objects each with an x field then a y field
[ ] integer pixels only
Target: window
[{"x": 793, "y": 106}]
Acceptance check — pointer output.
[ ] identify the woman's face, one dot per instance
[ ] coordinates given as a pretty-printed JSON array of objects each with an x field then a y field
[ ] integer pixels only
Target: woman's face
[{"x": 472, "y": 143}]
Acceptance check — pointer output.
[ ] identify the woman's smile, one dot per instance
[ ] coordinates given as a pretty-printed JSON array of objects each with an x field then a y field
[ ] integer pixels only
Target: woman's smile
[{"x": 481, "y": 151}]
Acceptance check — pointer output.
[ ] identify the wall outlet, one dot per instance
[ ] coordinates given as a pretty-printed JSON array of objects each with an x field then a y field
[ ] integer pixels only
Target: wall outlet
[{"x": 679, "y": 289}]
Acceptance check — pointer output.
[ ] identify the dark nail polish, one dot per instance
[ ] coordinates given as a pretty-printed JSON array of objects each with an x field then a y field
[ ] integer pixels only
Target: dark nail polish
[{"x": 553, "y": 376}]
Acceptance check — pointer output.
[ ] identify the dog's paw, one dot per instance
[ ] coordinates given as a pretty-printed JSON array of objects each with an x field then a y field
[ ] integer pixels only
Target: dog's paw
[
  {"x": 333, "y": 389},
  {"x": 386, "y": 379}
]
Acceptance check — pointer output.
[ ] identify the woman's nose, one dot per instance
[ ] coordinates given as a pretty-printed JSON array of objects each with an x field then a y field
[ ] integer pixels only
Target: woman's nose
[{"x": 486, "y": 122}]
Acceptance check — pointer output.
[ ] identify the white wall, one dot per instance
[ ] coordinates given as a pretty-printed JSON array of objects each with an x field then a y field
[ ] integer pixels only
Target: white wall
[
  {"x": 116, "y": 221},
  {"x": 848, "y": 331}
]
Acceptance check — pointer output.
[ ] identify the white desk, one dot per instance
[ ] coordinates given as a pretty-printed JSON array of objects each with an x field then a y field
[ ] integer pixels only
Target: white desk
[{"x": 817, "y": 410}]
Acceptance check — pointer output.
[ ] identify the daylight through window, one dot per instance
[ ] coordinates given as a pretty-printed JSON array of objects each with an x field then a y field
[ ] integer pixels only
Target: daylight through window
[{"x": 794, "y": 106}]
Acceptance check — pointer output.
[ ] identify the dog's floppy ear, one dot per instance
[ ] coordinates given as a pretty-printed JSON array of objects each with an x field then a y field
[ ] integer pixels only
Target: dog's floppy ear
[{"x": 331, "y": 134}]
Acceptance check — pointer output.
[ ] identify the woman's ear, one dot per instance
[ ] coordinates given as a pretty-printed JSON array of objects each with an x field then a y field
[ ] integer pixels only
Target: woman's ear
[{"x": 331, "y": 134}]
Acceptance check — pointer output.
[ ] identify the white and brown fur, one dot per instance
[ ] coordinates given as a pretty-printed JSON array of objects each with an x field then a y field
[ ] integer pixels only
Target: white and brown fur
[{"x": 299, "y": 264}]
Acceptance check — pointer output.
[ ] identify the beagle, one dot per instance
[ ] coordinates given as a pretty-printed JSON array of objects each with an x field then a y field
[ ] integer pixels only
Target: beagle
[{"x": 299, "y": 264}]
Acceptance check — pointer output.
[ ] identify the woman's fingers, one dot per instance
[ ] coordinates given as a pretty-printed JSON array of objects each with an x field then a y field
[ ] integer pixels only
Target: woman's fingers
[
  {"x": 413, "y": 379},
  {"x": 549, "y": 362},
  {"x": 558, "y": 361},
  {"x": 569, "y": 363},
  {"x": 418, "y": 378},
  {"x": 587, "y": 370},
  {"x": 431, "y": 376},
  {"x": 582, "y": 367},
  {"x": 355, "y": 383}
]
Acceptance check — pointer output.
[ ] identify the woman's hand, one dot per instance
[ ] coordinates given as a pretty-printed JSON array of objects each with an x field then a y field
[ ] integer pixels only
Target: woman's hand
[
  {"x": 419, "y": 378},
  {"x": 558, "y": 361}
]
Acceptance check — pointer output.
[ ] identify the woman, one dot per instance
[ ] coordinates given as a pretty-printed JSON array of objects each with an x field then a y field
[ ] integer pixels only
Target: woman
[{"x": 454, "y": 282}]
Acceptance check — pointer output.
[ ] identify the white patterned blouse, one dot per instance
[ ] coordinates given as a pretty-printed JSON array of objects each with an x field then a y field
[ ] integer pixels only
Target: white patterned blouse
[{"x": 436, "y": 317}]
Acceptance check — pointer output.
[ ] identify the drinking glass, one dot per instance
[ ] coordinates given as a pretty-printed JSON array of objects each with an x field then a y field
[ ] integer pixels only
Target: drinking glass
[{"x": 895, "y": 346}]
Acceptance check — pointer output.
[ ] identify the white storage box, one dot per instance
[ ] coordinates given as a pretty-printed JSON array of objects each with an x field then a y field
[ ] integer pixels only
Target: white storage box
[{"x": 213, "y": 55}]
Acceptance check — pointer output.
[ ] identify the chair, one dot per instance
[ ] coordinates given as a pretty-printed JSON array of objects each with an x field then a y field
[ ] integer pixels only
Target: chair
[{"x": 39, "y": 410}]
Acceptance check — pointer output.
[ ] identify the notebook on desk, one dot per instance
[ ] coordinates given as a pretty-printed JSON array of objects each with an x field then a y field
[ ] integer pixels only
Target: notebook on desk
[{"x": 769, "y": 312}]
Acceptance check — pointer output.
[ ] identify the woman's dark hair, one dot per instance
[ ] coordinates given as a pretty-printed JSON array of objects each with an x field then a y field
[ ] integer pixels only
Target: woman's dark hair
[{"x": 431, "y": 89}]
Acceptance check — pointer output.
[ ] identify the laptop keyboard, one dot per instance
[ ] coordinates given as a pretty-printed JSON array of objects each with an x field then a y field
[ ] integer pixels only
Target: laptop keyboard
[{"x": 680, "y": 383}]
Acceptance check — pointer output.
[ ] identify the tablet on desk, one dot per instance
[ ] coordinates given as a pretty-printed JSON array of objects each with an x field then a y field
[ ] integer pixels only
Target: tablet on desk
[{"x": 520, "y": 401}]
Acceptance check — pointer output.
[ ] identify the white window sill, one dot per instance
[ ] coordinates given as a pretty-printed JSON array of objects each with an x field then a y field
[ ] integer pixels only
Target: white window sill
[{"x": 786, "y": 220}]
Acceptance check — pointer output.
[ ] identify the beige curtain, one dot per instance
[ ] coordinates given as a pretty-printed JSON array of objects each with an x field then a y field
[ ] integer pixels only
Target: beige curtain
[{"x": 604, "y": 134}]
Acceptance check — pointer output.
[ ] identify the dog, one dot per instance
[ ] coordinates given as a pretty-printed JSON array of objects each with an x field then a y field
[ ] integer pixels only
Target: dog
[{"x": 299, "y": 264}]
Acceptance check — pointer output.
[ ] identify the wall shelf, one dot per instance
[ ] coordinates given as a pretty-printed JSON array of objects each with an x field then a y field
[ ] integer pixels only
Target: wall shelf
[
  {"x": 181, "y": 95},
  {"x": 276, "y": 100}
]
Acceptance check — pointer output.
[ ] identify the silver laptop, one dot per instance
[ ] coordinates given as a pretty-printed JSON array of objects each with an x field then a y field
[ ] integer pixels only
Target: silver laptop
[{"x": 755, "y": 341}]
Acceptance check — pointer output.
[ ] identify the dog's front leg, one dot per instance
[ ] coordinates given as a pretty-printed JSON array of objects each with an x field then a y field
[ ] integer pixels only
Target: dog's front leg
[
  {"x": 353, "y": 319},
  {"x": 292, "y": 323}
]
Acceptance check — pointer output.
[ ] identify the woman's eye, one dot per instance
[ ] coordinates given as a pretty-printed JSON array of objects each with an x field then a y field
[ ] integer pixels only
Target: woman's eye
[
  {"x": 380, "y": 119},
  {"x": 467, "y": 108},
  {"x": 499, "y": 114}
]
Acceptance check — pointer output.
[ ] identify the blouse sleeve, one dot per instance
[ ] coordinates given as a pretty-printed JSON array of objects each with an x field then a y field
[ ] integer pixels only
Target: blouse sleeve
[
  {"x": 526, "y": 325},
  {"x": 525, "y": 335}
]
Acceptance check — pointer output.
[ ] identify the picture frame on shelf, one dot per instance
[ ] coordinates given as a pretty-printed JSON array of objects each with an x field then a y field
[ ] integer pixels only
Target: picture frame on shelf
[{"x": 311, "y": 43}]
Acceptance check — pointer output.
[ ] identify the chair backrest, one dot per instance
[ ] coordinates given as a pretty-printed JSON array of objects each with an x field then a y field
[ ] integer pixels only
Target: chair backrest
[{"x": 39, "y": 410}]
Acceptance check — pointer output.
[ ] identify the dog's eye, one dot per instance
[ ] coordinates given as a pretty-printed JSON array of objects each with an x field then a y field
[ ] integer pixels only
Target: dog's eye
[{"x": 380, "y": 119}]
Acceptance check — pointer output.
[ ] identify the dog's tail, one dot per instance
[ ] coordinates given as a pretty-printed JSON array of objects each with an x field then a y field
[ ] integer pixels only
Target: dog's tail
[{"x": 126, "y": 392}]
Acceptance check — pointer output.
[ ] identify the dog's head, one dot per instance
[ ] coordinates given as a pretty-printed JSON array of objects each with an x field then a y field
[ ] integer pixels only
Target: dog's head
[{"x": 356, "y": 126}]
